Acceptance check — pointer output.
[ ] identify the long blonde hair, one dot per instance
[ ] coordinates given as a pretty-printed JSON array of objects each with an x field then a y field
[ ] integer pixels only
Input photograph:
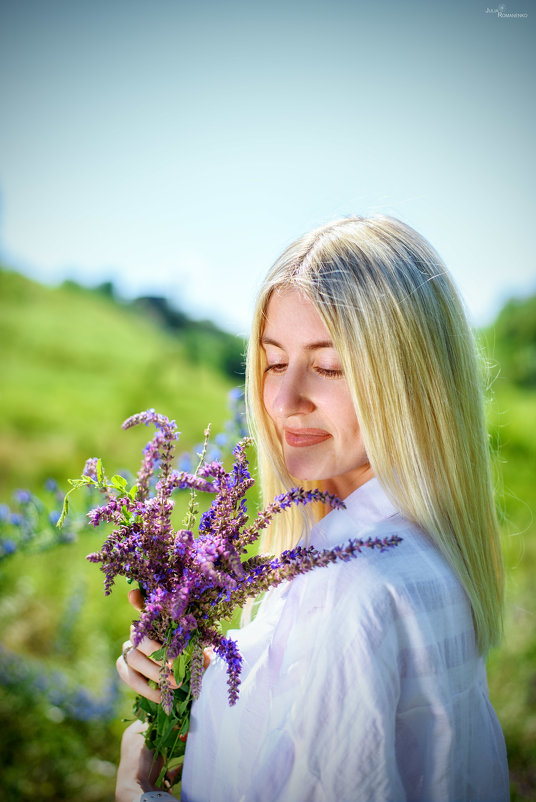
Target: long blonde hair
[{"x": 409, "y": 357}]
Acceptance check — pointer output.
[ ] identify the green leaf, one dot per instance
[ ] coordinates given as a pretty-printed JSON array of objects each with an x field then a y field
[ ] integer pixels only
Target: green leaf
[
  {"x": 168, "y": 735},
  {"x": 145, "y": 708},
  {"x": 119, "y": 482},
  {"x": 100, "y": 472},
  {"x": 179, "y": 668},
  {"x": 185, "y": 726},
  {"x": 161, "y": 776},
  {"x": 64, "y": 512},
  {"x": 184, "y": 706},
  {"x": 75, "y": 485},
  {"x": 162, "y": 720}
]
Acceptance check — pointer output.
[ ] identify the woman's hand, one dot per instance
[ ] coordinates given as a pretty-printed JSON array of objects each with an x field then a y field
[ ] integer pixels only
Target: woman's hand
[
  {"x": 137, "y": 771},
  {"x": 135, "y": 666}
]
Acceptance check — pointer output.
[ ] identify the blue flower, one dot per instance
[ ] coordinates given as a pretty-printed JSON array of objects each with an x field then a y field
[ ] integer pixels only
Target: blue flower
[
  {"x": 7, "y": 546},
  {"x": 184, "y": 463}
]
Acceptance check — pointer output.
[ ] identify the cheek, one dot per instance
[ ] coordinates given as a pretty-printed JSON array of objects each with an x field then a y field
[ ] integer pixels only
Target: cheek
[
  {"x": 354, "y": 436},
  {"x": 354, "y": 430},
  {"x": 268, "y": 396},
  {"x": 344, "y": 413}
]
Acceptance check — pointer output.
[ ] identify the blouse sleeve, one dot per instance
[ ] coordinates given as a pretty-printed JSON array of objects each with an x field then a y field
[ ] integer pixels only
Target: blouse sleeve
[{"x": 330, "y": 733}]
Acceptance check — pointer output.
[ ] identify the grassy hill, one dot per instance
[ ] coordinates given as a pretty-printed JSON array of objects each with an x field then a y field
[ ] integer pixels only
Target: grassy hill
[{"x": 74, "y": 364}]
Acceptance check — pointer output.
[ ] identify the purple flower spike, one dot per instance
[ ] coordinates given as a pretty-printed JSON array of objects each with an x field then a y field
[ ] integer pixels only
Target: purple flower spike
[
  {"x": 196, "y": 668},
  {"x": 183, "y": 480},
  {"x": 90, "y": 468},
  {"x": 150, "y": 416},
  {"x": 228, "y": 650},
  {"x": 161, "y": 448},
  {"x": 165, "y": 690}
]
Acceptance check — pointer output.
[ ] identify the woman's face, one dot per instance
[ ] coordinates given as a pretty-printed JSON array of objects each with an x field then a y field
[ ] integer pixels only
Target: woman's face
[{"x": 307, "y": 397}]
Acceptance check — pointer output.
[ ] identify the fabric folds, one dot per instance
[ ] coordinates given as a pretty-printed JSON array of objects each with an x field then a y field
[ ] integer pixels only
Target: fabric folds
[{"x": 361, "y": 681}]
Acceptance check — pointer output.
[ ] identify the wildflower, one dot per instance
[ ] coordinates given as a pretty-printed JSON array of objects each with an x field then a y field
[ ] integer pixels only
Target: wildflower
[
  {"x": 185, "y": 462},
  {"x": 23, "y": 497},
  {"x": 90, "y": 468},
  {"x": 77, "y": 703},
  {"x": 7, "y": 547}
]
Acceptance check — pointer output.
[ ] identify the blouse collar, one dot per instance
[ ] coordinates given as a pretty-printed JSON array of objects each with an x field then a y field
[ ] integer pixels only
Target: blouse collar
[{"x": 365, "y": 507}]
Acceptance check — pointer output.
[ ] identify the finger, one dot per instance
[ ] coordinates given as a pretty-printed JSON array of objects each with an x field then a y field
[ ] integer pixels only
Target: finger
[
  {"x": 139, "y": 659},
  {"x": 140, "y": 663},
  {"x": 136, "y": 681},
  {"x": 135, "y": 597},
  {"x": 147, "y": 667},
  {"x": 208, "y": 654},
  {"x": 147, "y": 645}
]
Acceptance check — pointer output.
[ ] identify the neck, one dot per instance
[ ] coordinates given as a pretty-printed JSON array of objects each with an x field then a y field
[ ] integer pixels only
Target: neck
[{"x": 343, "y": 486}]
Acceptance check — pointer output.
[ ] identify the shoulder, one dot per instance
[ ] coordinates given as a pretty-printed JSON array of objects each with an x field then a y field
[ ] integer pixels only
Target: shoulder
[
  {"x": 408, "y": 586},
  {"x": 373, "y": 569}
]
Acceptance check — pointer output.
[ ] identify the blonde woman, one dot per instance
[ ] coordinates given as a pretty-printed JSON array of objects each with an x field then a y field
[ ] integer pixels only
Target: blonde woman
[{"x": 365, "y": 680}]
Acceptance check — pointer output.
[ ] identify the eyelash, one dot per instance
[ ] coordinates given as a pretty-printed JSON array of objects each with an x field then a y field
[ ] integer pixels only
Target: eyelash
[{"x": 331, "y": 373}]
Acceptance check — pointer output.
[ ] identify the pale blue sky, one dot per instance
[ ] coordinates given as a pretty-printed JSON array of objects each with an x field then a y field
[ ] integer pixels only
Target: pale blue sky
[{"x": 177, "y": 146}]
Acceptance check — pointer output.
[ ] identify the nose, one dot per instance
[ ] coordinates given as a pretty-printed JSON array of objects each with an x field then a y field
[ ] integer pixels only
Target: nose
[{"x": 292, "y": 397}]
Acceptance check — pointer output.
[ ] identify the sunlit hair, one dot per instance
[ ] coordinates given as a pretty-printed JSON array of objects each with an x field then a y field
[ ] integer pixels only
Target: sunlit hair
[{"x": 409, "y": 357}]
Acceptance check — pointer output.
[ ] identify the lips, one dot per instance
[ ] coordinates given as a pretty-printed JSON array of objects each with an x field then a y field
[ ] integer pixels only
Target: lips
[{"x": 301, "y": 438}]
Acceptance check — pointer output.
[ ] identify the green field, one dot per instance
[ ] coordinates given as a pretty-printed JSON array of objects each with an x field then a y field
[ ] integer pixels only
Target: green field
[{"x": 74, "y": 365}]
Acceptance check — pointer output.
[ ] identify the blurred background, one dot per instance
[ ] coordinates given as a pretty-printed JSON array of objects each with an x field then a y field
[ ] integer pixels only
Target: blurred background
[{"x": 155, "y": 158}]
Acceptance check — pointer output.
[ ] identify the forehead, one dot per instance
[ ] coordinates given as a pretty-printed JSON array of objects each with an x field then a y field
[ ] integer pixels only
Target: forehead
[{"x": 290, "y": 314}]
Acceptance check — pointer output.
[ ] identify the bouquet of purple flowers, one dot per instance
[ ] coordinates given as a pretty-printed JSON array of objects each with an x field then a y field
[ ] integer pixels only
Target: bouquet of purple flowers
[{"x": 192, "y": 583}]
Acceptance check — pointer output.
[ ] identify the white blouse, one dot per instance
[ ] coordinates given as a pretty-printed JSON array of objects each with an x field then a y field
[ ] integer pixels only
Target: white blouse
[{"x": 361, "y": 681}]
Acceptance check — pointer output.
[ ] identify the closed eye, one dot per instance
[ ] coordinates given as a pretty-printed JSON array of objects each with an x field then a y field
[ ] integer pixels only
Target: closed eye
[
  {"x": 333, "y": 373},
  {"x": 277, "y": 367}
]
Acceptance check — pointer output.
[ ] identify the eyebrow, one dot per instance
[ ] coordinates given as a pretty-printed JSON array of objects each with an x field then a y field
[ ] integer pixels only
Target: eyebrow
[{"x": 308, "y": 347}]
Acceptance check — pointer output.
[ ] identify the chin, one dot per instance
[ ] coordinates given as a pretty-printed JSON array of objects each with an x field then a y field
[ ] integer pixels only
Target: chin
[{"x": 301, "y": 474}]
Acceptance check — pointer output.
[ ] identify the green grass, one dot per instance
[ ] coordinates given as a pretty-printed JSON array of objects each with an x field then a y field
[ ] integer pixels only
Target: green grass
[
  {"x": 512, "y": 667},
  {"x": 74, "y": 365}
]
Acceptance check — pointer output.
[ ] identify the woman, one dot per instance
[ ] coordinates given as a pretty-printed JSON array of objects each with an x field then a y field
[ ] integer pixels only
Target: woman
[{"x": 364, "y": 680}]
